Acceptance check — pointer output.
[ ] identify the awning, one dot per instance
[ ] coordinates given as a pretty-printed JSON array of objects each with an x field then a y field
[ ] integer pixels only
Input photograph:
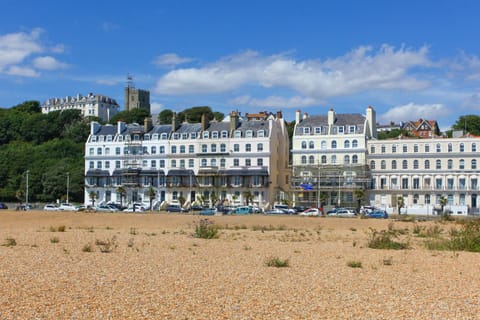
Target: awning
[
  {"x": 180, "y": 172},
  {"x": 247, "y": 172},
  {"x": 97, "y": 173},
  {"x": 152, "y": 173}
]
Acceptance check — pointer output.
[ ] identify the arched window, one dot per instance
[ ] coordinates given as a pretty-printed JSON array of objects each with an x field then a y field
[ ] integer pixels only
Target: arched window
[
  {"x": 304, "y": 144},
  {"x": 304, "y": 159},
  {"x": 474, "y": 163},
  {"x": 461, "y": 165},
  {"x": 438, "y": 164},
  {"x": 474, "y": 147},
  {"x": 394, "y": 164},
  {"x": 334, "y": 144},
  {"x": 311, "y": 145},
  {"x": 415, "y": 164},
  {"x": 438, "y": 147},
  {"x": 427, "y": 164},
  {"x": 354, "y": 143},
  {"x": 323, "y": 145},
  {"x": 346, "y": 144},
  {"x": 372, "y": 164},
  {"x": 311, "y": 159},
  {"x": 462, "y": 147},
  {"x": 450, "y": 147},
  {"x": 354, "y": 158},
  {"x": 404, "y": 164},
  {"x": 324, "y": 159},
  {"x": 450, "y": 164},
  {"x": 383, "y": 165},
  {"x": 334, "y": 159},
  {"x": 346, "y": 159}
]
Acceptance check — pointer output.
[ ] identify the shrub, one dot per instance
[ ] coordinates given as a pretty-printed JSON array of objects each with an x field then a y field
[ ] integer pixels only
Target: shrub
[
  {"x": 206, "y": 229},
  {"x": 467, "y": 238},
  {"x": 54, "y": 240},
  {"x": 354, "y": 264},
  {"x": 108, "y": 245},
  {"x": 277, "y": 262},
  {"x": 87, "y": 248},
  {"x": 384, "y": 240},
  {"x": 10, "y": 242},
  {"x": 61, "y": 228}
]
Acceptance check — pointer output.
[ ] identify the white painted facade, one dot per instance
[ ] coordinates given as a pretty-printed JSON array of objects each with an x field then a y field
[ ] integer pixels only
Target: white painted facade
[
  {"x": 421, "y": 171},
  {"x": 222, "y": 158},
  {"x": 91, "y": 105}
]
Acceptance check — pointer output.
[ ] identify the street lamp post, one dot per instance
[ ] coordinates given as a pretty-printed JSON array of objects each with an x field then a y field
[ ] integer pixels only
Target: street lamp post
[
  {"x": 68, "y": 185},
  {"x": 26, "y": 192}
]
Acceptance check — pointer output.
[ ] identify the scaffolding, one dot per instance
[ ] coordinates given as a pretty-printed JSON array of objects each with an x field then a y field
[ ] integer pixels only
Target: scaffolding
[
  {"x": 132, "y": 165},
  {"x": 328, "y": 185}
]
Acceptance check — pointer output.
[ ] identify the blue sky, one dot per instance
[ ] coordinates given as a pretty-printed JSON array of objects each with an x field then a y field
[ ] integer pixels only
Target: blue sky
[{"x": 407, "y": 59}]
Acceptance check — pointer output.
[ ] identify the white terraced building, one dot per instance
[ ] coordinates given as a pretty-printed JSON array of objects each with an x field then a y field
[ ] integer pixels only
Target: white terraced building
[
  {"x": 95, "y": 105},
  {"x": 221, "y": 162},
  {"x": 329, "y": 157},
  {"x": 422, "y": 171}
]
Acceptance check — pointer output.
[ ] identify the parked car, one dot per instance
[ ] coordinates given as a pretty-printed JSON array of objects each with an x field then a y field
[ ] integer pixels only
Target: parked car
[
  {"x": 276, "y": 211},
  {"x": 380, "y": 214},
  {"x": 345, "y": 213},
  {"x": 104, "y": 208},
  {"x": 242, "y": 210},
  {"x": 175, "y": 208},
  {"x": 285, "y": 208},
  {"x": 196, "y": 207},
  {"x": 208, "y": 211},
  {"x": 3, "y": 206},
  {"x": 311, "y": 212},
  {"x": 50, "y": 207},
  {"x": 299, "y": 209},
  {"x": 67, "y": 207}
]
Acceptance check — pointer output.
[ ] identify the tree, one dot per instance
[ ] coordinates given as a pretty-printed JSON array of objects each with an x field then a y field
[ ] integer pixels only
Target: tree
[
  {"x": 182, "y": 200},
  {"x": 443, "y": 203},
  {"x": 468, "y": 123},
  {"x": 151, "y": 195},
  {"x": 123, "y": 192},
  {"x": 136, "y": 115},
  {"x": 165, "y": 116},
  {"x": 93, "y": 197},
  {"x": 194, "y": 114},
  {"x": 248, "y": 196},
  {"x": 400, "y": 204},
  {"x": 359, "y": 195}
]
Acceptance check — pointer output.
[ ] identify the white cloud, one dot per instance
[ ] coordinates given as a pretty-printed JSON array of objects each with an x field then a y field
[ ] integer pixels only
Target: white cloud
[
  {"x": 170, "y": 60},
  {"x": 48, "y": 63},
  {"x": 156, "y": 107},
  {"x": 22, "y": 71},
  {"x": 107, "y": 82},
  {"x": 15, "y": 47},
  {"x": 362, "y": 69},
  {"x": 412, "y": 111}
]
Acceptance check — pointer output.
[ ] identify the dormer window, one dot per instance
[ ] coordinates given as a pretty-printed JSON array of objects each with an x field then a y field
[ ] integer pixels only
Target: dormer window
[
  {"x": 205, "y": 134},
  {"x": 163, "y": 136},
  {"x": 249, "y": 133},
  {"x": 306, "y": 130},
  {"x": 127, "y": 138},
  {"x": 318, "y": 130},
  {"x": 176, "y": 136},
  {"x": 94, "y": 138},
  {"x": 261, "y": 133},
  {"x": 351, "y": 129},
  {"x": 136, "y": 137},
  {"x": 109, "y": 138},
  {"x": 193, "y": 135},
  {"x": 100, "y": 138},
  {"x": 224, "y": 134},
  {"x": 184, "y": 136},
  {"x": 120, "y": 138},
  {"x": 155, "y": 136},
  {"x": 341, "y": 130},
  {"x": 237, "y": 134},
  {"x": 215, "y": 135},
  {"x": 146, "y": 137}
]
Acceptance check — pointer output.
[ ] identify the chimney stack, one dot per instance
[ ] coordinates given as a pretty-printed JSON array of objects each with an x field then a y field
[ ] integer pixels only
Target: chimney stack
[
  {"x": 297, "y": 116},
  {"x": 233, "y": 121},
  {"x": 148, "y": 124},
  {"x": 174, "y": 122},
  {"x": 331, "y": 117},
  {"x": 204, "y": 122}
]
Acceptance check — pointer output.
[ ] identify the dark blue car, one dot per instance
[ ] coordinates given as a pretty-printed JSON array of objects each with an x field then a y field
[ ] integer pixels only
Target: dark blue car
[{"x": 379, "y": 214}]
